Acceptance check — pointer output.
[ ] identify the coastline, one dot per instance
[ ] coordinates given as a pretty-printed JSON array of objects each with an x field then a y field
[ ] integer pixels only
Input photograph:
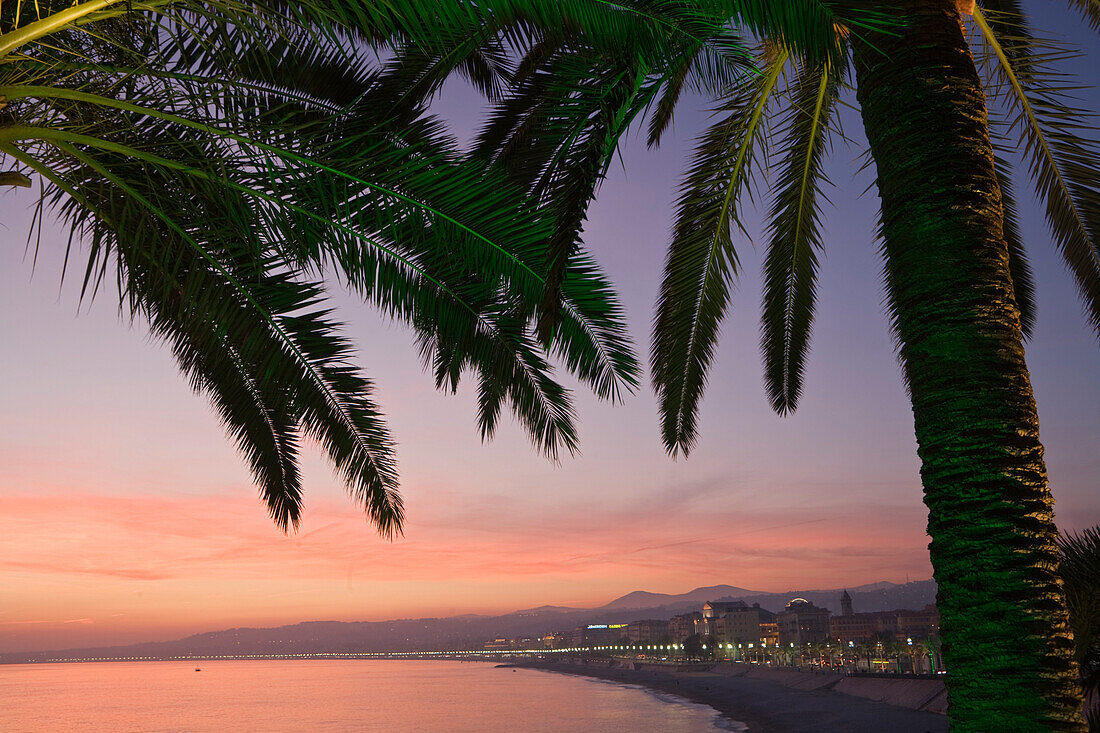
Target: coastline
[{"x": 766, "y": 700}]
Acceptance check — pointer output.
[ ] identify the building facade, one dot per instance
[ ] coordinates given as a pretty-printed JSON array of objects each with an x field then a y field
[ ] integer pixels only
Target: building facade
[
  {"x": 801, "y": 622},
  {"x": 741, "y": 625},
  {"x": 682, "y": 626},
  {"x": 769, "y": 632},
  {"x": 856, "y": 628},
  {"x": 555, "y": 640},
  {"x": 648, "y": 631},
  {"x": 596, "y": 634},
  {"x": 919, "y": 624}
]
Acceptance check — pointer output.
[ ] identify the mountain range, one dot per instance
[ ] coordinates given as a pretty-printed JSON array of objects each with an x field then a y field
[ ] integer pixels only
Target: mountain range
[{"x": 471, "y": 631}]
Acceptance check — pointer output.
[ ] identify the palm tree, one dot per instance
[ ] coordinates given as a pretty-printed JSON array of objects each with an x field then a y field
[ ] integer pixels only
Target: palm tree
[
  {"x": 219, "y": 160},
  {"x": 958, "y": 284}
]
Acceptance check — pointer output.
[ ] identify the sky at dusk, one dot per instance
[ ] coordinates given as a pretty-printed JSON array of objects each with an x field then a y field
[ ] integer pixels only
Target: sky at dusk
[{"x": 128, "y": 515}]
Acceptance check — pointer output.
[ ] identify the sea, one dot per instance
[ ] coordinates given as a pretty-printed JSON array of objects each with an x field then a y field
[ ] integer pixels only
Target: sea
[{"x": 332, "y": 695}]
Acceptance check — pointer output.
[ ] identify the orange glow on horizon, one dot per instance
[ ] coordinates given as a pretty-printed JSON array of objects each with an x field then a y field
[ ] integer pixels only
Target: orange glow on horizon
[{"x": 141, "y": 567}]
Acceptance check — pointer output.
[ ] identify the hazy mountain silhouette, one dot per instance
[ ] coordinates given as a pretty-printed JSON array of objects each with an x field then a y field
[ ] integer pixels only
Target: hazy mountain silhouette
[
  {"x": 471, "y": 631},
  {"x": 645, "y": 599}
]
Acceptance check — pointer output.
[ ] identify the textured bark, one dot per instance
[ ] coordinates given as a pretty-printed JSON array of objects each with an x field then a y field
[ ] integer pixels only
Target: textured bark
[{"x": 1006, "y": 641}]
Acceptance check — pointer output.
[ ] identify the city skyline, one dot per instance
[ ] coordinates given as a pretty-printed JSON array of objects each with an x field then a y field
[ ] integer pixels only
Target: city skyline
[
  {"x": 556, "y": 625},
  {"x": 131, "y": 516}
]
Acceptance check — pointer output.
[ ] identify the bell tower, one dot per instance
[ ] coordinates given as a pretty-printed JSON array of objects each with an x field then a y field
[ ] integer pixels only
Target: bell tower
[{"x": 846, "y": 604}]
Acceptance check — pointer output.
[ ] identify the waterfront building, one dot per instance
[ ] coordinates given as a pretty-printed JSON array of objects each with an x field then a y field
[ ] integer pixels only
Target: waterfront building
[
  {"x": 736, "y": 622},
  {"x": 919, "y": 624},
  {"x": 597, "y": 634},
  {"x": 648, "y": 631},
  {"x": 740, "y": 625},
  {"x": 682, "y": 626},
  {"x": 714, "y": 623},
  {"x": 716, "y": 609},
  {"x": 859, "y": 627},
  {"x": 851, "y": 627},
  {"x": 704, "y": 626},
  {"x": 801, "y": 622},
  {"x": 769, "y": 631},
  {"x": 555, "y": 640}
]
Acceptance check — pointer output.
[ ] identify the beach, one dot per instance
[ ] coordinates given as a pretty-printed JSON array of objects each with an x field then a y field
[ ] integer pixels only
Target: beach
[{"x": 779, "y": 701}]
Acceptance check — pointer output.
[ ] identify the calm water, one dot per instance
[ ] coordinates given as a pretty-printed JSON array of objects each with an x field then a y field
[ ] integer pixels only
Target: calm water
[{"x": 327, "y": 695}]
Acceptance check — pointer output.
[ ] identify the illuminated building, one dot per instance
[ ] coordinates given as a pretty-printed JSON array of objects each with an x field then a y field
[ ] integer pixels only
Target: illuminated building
[
  {"x": 594, "y": 634},
  {"x": 801, "y": 622},
  {"x": 682, "y": 626},
  {"x": 555, "y": 640},
  {"x": 769, "y": 632}
]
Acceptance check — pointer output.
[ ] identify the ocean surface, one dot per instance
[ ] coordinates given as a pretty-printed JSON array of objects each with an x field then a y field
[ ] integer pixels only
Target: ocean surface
[{"x": 323, "y": 695}]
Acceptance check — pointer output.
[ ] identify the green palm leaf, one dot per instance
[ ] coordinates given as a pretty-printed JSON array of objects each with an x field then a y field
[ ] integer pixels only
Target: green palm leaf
[
  {"x": 220, "y": 166},
  {"x": 1079, "y": 568},
  {"x": 702, "y": 260},
  {"x": 1023, "y": 281},
  {"x": 297, "y": 352},
  {"x": 790, "y": 268},
  {"x": 1062, "y": 163},
  {"x": 1090, "y": 9}
]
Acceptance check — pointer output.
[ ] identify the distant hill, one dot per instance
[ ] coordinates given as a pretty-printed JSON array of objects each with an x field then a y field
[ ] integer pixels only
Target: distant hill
[
  {"x": 471, "y": 631},
  {"x": 872, "y": 597},
  {"x": 548, "y": 609},
  {"x": 645, "y": 599},
  {"x": 881, "y": 596}
]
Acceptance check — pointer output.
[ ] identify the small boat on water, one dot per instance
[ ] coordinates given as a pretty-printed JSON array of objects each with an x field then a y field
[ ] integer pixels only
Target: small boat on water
[{"x": 197, "y": 669}]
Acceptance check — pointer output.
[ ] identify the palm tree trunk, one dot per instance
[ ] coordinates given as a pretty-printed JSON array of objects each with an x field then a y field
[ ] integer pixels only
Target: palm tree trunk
[{"x": 1006, "y": 642}]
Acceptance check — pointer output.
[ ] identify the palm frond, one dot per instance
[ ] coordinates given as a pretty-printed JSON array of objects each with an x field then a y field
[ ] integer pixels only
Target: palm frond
[
  {"x": 790, "y": 267},
  {"x": 554, "y": 135},
  {"x": 48, "y": 21},
  {"x": 1079, "y": 568},
  {"x": 509, "y": 365},
  {"x": 711, "y": 66},
  {"x": 592, "y": 341},
  {"x": 666, "y": 103},
  {"x": 1023, "y": 281},
  {"x": 244, "y": 329},
  {"x": 808, "y": 28},
  {"x": 571, "y": 181},
  {"x": 1090, "y": 11},
  {"x": 219, "y": 171},
  {"x": 295, "y": 349},
  {"x": 1061, "y": 161},
  {"x": 702, "y": 260}
]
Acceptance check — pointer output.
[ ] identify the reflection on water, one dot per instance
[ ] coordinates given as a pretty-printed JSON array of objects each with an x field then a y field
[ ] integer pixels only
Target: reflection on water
[{"x": 325, "y": 695}]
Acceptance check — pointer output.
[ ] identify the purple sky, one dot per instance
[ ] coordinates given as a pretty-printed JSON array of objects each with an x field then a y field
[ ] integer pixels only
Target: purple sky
[{"x": 129, "y": 515}]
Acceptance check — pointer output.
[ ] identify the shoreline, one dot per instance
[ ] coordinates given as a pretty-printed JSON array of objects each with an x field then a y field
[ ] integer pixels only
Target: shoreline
[{"x": 766, "y": 700}]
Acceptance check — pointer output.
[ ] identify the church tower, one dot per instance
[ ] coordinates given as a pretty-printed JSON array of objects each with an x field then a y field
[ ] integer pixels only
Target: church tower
[{"x": 846, "y": 604}]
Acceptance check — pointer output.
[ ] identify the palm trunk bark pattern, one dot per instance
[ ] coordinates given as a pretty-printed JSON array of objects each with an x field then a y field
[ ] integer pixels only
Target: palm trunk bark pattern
[{"x": 1006, "y": 641}]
